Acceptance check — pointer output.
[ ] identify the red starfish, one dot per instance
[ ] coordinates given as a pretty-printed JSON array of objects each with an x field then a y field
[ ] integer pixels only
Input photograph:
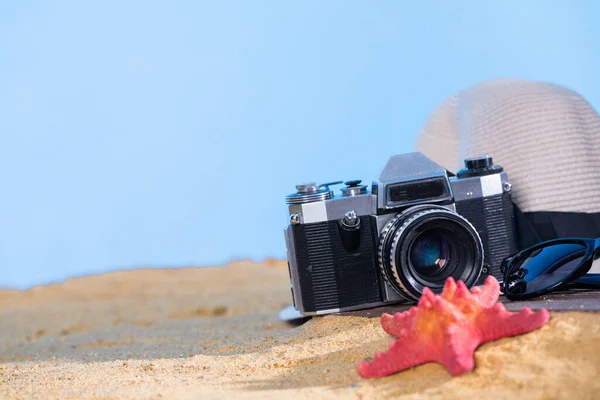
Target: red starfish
[{"x": 447, "y": 329}]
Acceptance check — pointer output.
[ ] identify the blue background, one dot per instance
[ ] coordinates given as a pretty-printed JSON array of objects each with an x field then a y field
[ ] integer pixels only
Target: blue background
[{"x": 139, "y": 133}]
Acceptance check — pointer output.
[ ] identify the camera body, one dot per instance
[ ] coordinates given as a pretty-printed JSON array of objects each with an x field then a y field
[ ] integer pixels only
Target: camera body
[{"x": 415, "y": 227}]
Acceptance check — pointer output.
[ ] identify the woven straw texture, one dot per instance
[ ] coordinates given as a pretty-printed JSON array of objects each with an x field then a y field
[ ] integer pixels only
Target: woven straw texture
[{"x": 547, "y": 138}]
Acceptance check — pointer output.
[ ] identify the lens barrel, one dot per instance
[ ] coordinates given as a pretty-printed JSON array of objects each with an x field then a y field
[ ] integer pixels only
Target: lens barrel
[{"x": 424, "y": 245}]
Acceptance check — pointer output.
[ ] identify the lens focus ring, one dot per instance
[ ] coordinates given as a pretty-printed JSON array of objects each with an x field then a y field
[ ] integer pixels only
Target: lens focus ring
[
  {"x": 387, "y": 234},
  {"x": 391, "y": 237},
  {"x": 400, "y": 232}
]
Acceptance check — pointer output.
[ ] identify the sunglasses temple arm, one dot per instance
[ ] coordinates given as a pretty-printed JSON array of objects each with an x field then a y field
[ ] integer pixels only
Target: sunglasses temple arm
[{"x": 590, "y": 281}]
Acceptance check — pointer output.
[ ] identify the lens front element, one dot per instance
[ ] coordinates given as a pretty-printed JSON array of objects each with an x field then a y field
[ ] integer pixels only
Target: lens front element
[
  {"x": 424, "y": 245},
  {"x": 430, "y": 254}
]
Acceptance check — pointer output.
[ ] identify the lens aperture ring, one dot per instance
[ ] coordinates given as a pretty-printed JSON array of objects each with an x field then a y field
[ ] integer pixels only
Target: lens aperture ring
[{"x": 406, "y": 219}]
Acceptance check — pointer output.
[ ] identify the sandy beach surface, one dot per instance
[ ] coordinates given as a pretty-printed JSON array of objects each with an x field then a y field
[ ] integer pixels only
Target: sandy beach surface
[{"x": 201, "y": 333}]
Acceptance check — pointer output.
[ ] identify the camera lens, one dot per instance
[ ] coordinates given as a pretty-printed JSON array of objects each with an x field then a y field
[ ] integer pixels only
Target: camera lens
[
  {"x": 424, "y": 245},
  {"x": 430, "y": 254}
]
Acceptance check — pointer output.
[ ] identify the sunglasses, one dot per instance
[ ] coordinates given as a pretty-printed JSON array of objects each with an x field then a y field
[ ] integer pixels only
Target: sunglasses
[{"x": 551, "y": 265}]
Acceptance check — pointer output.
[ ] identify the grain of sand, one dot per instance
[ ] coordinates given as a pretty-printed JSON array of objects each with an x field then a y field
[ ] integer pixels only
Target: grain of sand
[{"x": 213, "y": 333}]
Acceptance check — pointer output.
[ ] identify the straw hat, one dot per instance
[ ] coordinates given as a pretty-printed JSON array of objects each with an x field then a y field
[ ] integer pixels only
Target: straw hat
[{"x": 546, "y": 137}]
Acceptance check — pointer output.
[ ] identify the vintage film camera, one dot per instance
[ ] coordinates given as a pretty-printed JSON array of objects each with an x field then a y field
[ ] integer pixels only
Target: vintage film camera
[{"x": 415, "y": 228}]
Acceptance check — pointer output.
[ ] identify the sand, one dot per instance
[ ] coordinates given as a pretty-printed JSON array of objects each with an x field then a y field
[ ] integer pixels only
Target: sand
[{"x": 214, "y": 333}]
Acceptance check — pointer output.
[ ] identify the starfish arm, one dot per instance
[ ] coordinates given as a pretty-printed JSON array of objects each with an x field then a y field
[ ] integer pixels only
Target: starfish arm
[
  {"x": 399, "y": 323},
  {"x": 401, "y": 355},
  {"x": 489, "y": 293},
  {"x": 460, "y": 344},
  {"x": 496, "y": 322},
  {"x": 449, "y": 289}
]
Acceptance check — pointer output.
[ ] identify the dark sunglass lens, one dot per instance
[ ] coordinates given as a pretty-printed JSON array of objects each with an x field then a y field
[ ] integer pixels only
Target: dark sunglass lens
[{"x": 544, "y": 268}]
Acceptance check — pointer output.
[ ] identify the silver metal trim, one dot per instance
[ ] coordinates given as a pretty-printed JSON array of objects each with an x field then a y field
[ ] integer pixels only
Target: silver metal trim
[
  {"x": 405, "y": 168},
  {"x": 334, "y": 208},
  {"x": 479, "y": 186},
  {"x": 295, "y": 219},
  {"x": 384, "y": 204},
  {"x": 352, "y": 308},
  {"x": 491, "y": 185},
  {"x": 330, "y": 311},
  {"x": 303, "y": 198},
  {"x": 353, "y": 190},
  {"x": 350, "y": 220},
  {"x": 305, "y": 188}
]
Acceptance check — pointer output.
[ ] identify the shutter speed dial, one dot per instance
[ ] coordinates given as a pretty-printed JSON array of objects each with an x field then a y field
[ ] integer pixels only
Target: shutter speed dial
[{"x": 353, "y": 188}]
